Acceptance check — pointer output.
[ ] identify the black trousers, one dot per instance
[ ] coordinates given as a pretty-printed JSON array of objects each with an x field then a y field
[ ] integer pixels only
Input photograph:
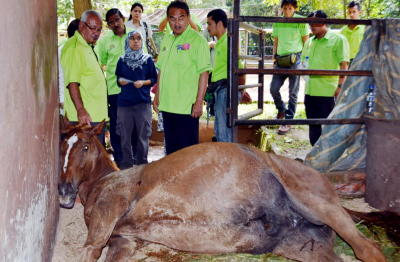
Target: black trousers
[
  {"x": 115, "y": 139},
  {"x": 317, "y": 107},
  {"x": 180, "y": 131}
]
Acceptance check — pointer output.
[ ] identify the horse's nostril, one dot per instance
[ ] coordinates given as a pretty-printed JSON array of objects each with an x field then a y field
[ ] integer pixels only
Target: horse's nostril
[{"x": 66, "y": 189}]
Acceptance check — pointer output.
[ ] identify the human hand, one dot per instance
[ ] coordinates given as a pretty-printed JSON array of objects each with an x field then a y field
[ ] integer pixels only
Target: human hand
[
  {"x": 123, "y": 82},
  {"x": 197, "y": 109},
  {"x": 83, "y": 116},
  {"x": 138, "y": 84},
  {"x": 156, "y": 102}
]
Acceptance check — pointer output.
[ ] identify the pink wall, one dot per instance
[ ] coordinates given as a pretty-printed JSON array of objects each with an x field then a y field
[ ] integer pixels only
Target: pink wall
[{"x": 28, "y": 130}]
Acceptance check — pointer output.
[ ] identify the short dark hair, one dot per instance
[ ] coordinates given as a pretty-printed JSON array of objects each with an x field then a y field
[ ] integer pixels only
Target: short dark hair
[
  {"x": 354, "y": 4},
  {"x": 72, "y": 27},
  {"x": 113, "y": 11},
  {"x": 133, "y": 6},
  {"x": 318, "y": 13},
  {"x": 178, "y": 4},
  {"x": 219, "y": 15},
  {"x": 289, "y": 2}
]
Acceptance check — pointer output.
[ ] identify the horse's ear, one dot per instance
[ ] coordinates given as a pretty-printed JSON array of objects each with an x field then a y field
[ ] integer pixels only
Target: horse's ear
[
  {"x": 65, "y": 125},
  {"x": 98, "y": 129}
]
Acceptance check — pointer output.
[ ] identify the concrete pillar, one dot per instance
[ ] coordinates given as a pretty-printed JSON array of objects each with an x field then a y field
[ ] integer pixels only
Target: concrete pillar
[{"x": 29, "y": 134}]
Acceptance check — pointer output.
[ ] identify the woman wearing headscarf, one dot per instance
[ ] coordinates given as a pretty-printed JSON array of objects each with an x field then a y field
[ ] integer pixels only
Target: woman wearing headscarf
[{"x": 136, "y": 74}]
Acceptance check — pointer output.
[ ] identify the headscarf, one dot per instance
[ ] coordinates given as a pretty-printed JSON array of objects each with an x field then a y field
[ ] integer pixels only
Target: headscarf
[{"x": 134, "y": 59}]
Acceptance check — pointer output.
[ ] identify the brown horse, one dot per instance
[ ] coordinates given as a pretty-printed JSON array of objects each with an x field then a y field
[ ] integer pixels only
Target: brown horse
[{"x": 208, "y": 198}]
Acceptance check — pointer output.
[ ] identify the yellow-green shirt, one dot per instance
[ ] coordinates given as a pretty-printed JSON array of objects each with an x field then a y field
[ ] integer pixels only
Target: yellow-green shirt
[
  {"x": 354, "y": 37},
  {"x": 289, "y": 36},
  {"x": 80, "y": 65},
  {"x": 109, "y": 49},
  {"x": 181, "y": 61},
  {"x": 325, "y": 53},
  {"x": 220, "y": 70}
]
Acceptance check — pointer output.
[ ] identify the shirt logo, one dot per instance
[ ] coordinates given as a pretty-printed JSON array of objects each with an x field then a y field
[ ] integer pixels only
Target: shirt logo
[
  {"x": 183, "y": 47},
  {"x": 112, "y": 46}
]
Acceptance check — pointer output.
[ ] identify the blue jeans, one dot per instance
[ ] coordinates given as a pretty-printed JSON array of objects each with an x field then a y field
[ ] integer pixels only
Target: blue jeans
[
  {"x": 294, "y": 84},
  {"x": 222, "y": 132}
]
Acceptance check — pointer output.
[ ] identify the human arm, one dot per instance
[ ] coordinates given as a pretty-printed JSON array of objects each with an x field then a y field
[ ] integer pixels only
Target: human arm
[
  {"x": 193, "y": 25},
  {"x": 83, "y": 115},
  {"x": 197, "y": 109},
  {"x": 163, "y": 24},
  {"x": 156, "y": 100},
  {"x": 275, "y": 48},
  {"x": 344, "y": 65},
  {"x": 304, "y": 38}
]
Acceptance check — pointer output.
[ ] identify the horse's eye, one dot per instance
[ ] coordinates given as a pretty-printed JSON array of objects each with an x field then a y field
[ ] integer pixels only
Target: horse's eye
[{"x": 85, "y": 148}]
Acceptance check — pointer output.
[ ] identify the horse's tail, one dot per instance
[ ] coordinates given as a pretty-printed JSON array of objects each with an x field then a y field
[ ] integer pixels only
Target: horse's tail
[{"x": 389, "y": 221}]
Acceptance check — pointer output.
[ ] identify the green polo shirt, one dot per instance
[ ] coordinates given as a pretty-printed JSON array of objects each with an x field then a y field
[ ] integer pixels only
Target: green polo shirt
[
  {"x": 289, "y": 36},
  {"x": 354, "y": 37},
  {"x": 325, "y": 53},
  {"x": 220, "y": 70},
  {"x": 109, "y": 49},
  {"x": 181, "y": 61},
  {"x": 80, "y": 65}
]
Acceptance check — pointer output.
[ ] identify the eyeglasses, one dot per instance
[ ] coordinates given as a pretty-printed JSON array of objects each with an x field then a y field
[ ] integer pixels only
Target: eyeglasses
[
  {"x": 93, "y": 29},
  {"x": 175, "y": 20}
]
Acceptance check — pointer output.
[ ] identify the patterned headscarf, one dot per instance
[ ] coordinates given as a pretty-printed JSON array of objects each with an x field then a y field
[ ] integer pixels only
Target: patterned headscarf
[{"x": 134, "y": 59}]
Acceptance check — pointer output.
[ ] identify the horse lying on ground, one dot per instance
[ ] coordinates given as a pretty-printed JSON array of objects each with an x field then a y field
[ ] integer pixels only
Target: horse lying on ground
[{"x": 208, "y": 198}]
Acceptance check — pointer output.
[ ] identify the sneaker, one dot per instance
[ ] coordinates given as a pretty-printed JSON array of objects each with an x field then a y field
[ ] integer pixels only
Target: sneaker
[
  {"x": 283, "y": 129},
  {"x": 280, "y": 115}
]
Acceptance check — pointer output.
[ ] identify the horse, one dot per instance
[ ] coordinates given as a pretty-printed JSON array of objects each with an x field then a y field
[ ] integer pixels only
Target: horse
[{"x": 213, "y": 198}]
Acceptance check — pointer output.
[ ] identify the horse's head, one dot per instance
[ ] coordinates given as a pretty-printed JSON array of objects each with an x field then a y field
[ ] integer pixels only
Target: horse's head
[{"x": 80, "y": 152}]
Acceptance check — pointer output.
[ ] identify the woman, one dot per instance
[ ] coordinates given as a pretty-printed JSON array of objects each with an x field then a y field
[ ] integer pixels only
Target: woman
[
  {"x": 136, "y": 74},
  {"x": 135, "y": 22}
]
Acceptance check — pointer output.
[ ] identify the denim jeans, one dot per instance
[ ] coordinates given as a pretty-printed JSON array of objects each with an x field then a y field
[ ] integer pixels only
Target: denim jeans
[
  {"x": 294, "y": 83},
  {"x": 223, "y": 133}
]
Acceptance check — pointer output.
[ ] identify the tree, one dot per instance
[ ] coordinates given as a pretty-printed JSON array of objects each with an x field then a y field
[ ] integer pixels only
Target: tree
[{"x": 81, "y": 6}]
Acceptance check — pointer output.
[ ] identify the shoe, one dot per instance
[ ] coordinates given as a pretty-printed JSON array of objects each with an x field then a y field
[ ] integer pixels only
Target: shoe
[
  {"x": 283, "y": 129},
  {"x": 280, "y": 115}
]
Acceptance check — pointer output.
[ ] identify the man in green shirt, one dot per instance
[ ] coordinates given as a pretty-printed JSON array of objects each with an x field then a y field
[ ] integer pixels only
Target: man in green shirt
[
  {"x": 289, "y": 39},
  {"x": 326, "y": 51},
  {"x": 184, "y": 62},
  {"x": 217, "y": 22},
  {"x": 85, "y": 85},
  {"x": 353, "y": 33},
  {"x": 109, "y": 49}
]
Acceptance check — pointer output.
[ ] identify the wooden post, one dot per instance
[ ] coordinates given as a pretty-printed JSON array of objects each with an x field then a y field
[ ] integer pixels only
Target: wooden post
[{"x": 81, "y": 6}]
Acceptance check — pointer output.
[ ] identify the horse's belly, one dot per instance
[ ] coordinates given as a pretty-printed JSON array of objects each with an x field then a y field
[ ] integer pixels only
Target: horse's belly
[{"x": 207, "y": 238}]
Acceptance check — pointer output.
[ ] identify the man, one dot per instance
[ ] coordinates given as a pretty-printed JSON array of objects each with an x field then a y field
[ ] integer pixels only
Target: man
[
  {"x": 217, "y": 22},
  {"x": 109, "y": 49},
  {"x": 184, "y": 62},
  {"x": 86, "y": 89},
  {"x": 326, "y": 51},
  {"x": 194, "y": 22},
  {"x": 289, "y": 39},
  {"x": 353, "y": 33}
]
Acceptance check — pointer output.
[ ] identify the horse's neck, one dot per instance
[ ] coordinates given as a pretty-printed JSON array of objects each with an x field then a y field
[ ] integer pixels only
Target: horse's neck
[{"x": 104, "y": 166}]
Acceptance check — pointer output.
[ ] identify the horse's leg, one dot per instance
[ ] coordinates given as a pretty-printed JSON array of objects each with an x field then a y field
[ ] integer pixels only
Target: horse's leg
[
  {"x": 103, "y": 218},
  {"x": 122, "y": 248},
  {"x": 314, "y": 197}
]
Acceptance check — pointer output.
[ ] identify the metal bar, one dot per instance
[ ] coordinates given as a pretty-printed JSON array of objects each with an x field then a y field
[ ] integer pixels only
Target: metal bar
[
  {"x": 318, "y": 121},
  {"x": 251, "y": 28},
  {"x": 250, "y": 57},
  {"x": 305, "y": 72},
  {"x": 250, "y": 114},
  {"x": 312, "y": 20},
  {"x": 242, "y": 87},
  {"x": 260, "y": 102}
]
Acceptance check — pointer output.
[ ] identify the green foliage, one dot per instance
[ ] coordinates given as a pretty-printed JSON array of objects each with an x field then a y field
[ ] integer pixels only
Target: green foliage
[{"x": 65, "y": 12}]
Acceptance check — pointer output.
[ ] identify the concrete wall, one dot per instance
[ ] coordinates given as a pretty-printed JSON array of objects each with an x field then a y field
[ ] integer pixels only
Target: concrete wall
[{"x": 28, "y": 130}]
